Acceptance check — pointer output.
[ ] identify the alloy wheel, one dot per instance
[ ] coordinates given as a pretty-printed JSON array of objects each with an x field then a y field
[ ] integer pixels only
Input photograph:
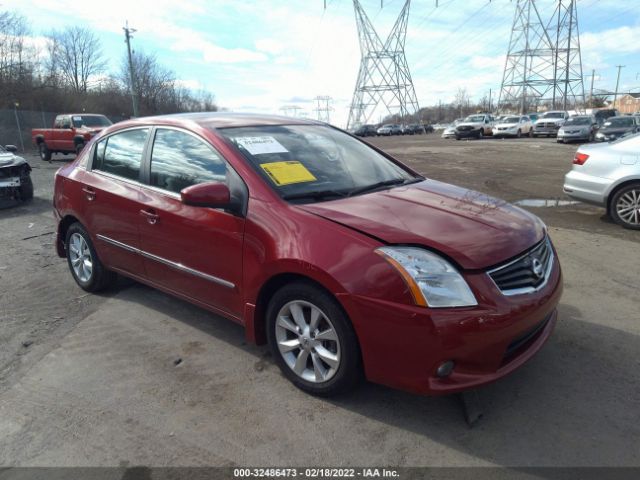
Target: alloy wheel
[
  {"x": 80, "y": 256},
  {"x": 628, "y": 207},
  {"x": 307, "y": 341}
]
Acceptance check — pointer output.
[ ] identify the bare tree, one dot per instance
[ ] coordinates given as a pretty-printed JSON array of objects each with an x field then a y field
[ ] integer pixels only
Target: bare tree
[
  {"x": 155, "y": 85},
  {"x": 76, "y": 54}
]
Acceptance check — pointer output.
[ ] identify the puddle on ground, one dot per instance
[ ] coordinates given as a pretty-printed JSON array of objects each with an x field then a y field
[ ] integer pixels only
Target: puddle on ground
[{"x": 538, "y": 202}]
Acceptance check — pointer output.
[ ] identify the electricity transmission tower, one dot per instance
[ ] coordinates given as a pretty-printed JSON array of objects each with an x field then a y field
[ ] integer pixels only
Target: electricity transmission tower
[
  {"x": 324, "y": 108},
  {"x": 384, "y": 78},
  {"x": 543, "y": 64},
  {"x": 569, "y": 83}
]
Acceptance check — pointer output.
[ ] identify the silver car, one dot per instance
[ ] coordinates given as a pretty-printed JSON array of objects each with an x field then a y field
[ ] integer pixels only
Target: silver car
[
  {"x": 578, "y": 128},
  {"x": 608, "y": 175}
]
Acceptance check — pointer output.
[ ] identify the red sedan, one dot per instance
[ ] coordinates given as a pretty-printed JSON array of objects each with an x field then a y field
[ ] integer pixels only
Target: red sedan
[{"x": 347, "y": 262}]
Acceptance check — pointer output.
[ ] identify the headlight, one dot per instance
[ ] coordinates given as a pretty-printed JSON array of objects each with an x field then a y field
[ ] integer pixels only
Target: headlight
[
  {"x": 599, "y": 135},
  {"x": 432, "y": 280}
]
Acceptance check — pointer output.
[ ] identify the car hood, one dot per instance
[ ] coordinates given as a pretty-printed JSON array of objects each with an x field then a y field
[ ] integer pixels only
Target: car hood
[
  {"x": 507, "y": 125},
  {"x": 615, "y": 130},
  {"x": 550, "y": 120},
  {"x": 575, "y": 127},
  {"x": 474, "y": 229},
  {"x": 470, "y": 124},
  {"x": 10, "y": 160}
]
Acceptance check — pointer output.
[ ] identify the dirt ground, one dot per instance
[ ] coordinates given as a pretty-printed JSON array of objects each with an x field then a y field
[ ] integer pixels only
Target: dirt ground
[{"x": 135, "y": 377}]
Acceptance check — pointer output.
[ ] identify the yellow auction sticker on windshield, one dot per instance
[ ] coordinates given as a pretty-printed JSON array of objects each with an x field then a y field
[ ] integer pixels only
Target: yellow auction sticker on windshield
[{"x": 286, "y": 173}]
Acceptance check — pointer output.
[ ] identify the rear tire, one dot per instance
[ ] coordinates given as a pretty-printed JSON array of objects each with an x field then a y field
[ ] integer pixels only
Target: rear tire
[
  {"x": 625, "y": 206},
  {"x": 325, "y": 366},
  {"x": 86, "y": 268},
  {"x": 45, "y": 153},
  {"x": 531, "y": 133}
]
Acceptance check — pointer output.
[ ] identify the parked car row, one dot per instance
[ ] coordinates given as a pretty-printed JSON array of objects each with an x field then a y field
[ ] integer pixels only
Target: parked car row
[
  {"x": 392, "y": 129},
  {"x": 602, "y": 125}
]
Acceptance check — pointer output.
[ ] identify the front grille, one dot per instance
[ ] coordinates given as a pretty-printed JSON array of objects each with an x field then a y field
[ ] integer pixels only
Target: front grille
[
  {"x": 547, "y": 125},
  {"x": 527, "y": 273},
  {"x": 465, "y": 127}
]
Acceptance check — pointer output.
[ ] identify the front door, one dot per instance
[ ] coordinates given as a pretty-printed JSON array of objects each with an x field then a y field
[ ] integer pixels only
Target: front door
[{"x": 194, "y": 251}]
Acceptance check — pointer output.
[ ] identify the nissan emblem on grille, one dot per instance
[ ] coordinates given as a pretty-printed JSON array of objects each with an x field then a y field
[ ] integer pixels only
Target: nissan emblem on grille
[
  {"x": 538, "y": 271},
  {"x": 527, "y": 273}
]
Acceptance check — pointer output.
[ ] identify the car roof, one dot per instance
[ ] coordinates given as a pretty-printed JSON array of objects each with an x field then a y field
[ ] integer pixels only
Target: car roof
[{"x": 215, "y": 120}]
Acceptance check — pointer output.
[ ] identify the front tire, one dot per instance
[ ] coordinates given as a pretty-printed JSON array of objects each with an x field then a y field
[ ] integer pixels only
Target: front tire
[
  {"x": 45, "y": 153},
  {"x": 86, "y": 268},
  {"x": 519, "y": 134},
  {"x": 625, "y": 207},
  {"x": 312, "y": 340},
  {"x": 26, "y": 188}
]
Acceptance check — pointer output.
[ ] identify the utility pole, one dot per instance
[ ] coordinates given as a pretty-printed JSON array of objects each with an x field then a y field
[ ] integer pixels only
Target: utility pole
[
  {"x": 615, "y": 95},
  {"x": 134, "y": 95},
  {"x": 593, "y": 75}
]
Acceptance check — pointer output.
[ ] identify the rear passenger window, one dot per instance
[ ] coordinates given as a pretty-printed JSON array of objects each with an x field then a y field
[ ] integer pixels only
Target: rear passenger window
[
  {"x": 121, "y": 154},
  {"x": 180, "y": 160}
]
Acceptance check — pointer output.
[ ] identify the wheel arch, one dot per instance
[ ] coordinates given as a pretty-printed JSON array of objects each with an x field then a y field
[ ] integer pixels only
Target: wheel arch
[
  {"x": 258, "y": 324},
  {"x": 63, "y": 226},
  {"x": 39, "y": 139},
  {"x": 617, "y": 188}
]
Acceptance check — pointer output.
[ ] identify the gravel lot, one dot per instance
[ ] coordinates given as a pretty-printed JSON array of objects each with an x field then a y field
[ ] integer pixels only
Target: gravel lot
[{"x": 135, "y": 377}]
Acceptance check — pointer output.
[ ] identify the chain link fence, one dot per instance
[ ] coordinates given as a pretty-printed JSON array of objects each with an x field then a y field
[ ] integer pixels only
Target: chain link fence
[{"x": 16, "y": 125}]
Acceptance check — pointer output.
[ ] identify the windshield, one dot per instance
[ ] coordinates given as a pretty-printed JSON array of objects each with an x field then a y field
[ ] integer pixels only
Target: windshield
[
  {"x": 579, "y": 121},
  {"x": 553, "y": 115},
  {"x": 314, "y": 162},
  {"x": 511, "y": 120},
  {"x": 90, "y": 121},
  {"x": 619, "y": 122},
  {"x": 474, "y": 118}
]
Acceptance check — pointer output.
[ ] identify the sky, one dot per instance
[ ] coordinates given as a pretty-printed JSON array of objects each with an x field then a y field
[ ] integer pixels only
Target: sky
[{"x": 261, "y": 55}]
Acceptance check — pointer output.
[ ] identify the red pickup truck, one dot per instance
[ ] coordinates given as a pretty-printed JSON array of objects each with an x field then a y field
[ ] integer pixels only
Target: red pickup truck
[{"x": 69, "y": 134}]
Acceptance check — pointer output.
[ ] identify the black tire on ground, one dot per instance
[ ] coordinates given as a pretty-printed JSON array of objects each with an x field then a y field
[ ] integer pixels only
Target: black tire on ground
[
  {"x": 592, "y": 137},
  {"x": 349, "y": 371},
  {"x": 26, "y": 187},
  {"x": 100, "y": 277},
  {"x": 481, "y": 133},
  {"x": 519, "y": 134},
  {"x": 531, "y": 133},
  {"x": 457, "y": 137},
  {"x": 45, "y": 153},
  {"x": 619, "y": 198}
]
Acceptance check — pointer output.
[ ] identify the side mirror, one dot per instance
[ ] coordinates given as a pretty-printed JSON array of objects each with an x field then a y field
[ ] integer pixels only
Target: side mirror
[
  {"x": 11, "y": 148},
  {"x": 210, "y": 194}
]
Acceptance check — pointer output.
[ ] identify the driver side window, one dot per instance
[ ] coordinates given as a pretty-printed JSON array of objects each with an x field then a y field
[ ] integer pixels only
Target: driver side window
[{"x": 179, "y": 160}]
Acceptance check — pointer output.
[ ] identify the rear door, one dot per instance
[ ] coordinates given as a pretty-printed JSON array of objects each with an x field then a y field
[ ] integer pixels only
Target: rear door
[
  {"x": 111, "y": 194},
  {"x": 193, "y": 251}
]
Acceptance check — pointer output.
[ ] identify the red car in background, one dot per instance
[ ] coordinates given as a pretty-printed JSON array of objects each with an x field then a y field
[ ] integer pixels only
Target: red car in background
[
  {"x": 344, "y": 260},
  {"x": 70, "y": 133}
]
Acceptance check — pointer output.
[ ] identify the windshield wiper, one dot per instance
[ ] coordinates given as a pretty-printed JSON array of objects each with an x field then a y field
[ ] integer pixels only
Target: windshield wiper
[
  {"x": 385, "y": 183},
  {"x": 319, "y": 195}
]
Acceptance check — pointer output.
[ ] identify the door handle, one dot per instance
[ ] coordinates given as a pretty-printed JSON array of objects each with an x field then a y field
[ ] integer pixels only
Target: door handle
[
  {"x": 90, "y": 193},
  {"x": 150, "y": 215}
]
